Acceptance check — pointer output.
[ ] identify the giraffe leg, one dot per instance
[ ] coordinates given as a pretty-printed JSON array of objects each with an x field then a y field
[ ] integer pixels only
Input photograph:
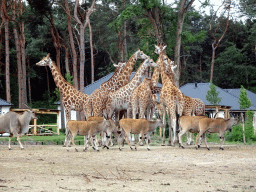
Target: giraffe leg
[
  {"x": 190, "y": 138},
  {"x": 171, "y": 133},
  {"x": 68, "y": 117},
  {"x": 132, "y": 139},
  {"x": 175, "y": 137},
  {"x": 164, "y": 122}
]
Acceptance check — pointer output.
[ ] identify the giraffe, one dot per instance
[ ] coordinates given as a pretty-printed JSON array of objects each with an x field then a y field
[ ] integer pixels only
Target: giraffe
[
  {"x": 120, "y": 78},
  {"x": 98, "y": 97},
  {"x": 141, "y": 98},
  {"x": 144, "y": 96},
  {"x": 72, "y": 98},
  {"x": 171, "y": 98},
  {"x": 193, "y": 106},
  {"x": 199, "y": 110},
  {"x": 121, "y": 99}
]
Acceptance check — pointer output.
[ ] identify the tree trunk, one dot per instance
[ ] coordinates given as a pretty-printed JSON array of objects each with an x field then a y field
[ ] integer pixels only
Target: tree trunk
[
  {"x": 82, "y": 41},
  {"x": 29, "y": 84},
  {"x": 82, "y": 57},
  {"x": 242, "y": 116},
  {"x": 19, "y": 67},
  {"x": 72, "y": 44},
  {"x": 217, "y": 41},
  {"x": 5, "y": 20},
  {"x": 212, "y": 63},
  {"x": 7, "y": 62},
  {"x": 92, "y": 57},
  {"x": 181, "y": 15},
  {"x": 23, "y": 64},
  {"x": 66, "y": 60},
  {"x": 125, "y": 43}
]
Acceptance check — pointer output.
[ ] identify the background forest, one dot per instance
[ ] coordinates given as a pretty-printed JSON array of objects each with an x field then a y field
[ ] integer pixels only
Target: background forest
[{"x": 85, "y": 38}]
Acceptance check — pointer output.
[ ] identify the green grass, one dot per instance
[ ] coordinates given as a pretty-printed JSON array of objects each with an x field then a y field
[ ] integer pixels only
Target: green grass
[{"x": 59, "y": 139}]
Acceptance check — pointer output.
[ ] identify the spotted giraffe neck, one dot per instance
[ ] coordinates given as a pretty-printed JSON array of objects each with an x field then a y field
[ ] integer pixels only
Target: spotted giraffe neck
[
  {"x": 59, "y": 80},
  {"x": 108, "y": 84},
  {"x": 164, "y": 76},
  {"x": 136, "y": 80},
  {"x": 155, "y": 76},
  {"x": 125, "y": 74}
]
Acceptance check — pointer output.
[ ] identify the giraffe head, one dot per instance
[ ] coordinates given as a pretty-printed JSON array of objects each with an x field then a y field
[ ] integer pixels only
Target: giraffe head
[
  {"x": 119, "y": 65},
  {"x": 169, "y": 65},
  {"x": 160, "y": 48},
  {"x": 150, "y": 63},
  {"x": 140, "y": 55},
  {"x": 46, "y": 61}
]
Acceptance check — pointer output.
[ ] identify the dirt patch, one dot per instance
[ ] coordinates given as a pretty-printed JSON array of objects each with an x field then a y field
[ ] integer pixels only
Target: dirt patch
[{"x": 55, "y": 168}]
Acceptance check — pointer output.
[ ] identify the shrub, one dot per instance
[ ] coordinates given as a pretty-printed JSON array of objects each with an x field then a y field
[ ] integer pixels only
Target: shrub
[{"x": 237, "y": 130}]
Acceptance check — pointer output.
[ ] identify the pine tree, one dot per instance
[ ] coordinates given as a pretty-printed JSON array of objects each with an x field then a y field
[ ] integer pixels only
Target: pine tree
[
  {"x": 213, "y": 95},
  {"x": 244, "y": 101}
]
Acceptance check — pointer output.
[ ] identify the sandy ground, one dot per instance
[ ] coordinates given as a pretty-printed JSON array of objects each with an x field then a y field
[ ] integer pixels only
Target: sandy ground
[{"x": 164, "y": 168}]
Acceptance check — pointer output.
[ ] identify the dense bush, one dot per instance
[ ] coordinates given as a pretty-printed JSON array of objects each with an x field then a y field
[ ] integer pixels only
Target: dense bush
[{"x": 237, "y": 131}]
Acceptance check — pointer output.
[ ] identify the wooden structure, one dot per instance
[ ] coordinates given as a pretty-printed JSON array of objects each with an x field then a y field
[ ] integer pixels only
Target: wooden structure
[
  {"x": 217, "y": 108},
  {"x": 36, "y": 129}
]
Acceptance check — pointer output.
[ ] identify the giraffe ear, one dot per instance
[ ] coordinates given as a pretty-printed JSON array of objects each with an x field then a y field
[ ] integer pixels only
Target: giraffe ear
[
  {"x": 48, "y": 55},
  {"x": 164, "y": 47}
]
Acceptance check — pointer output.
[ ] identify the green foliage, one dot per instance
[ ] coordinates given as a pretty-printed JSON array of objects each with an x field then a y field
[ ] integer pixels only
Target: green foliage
[
  {"x": 130, "y": 12},
  {"x": 237, "y": 130},
  {"x": 248, "y": 126},
  {"x": 69, "y": 78},
  {"x": 150, "y": 4},
  {"x": 213, "y": 95},
  {"x": 244, "y": 101}
]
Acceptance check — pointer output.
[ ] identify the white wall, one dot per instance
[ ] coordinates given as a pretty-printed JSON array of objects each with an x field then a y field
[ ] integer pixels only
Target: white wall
[
  {"x": 5, "y": 109},
  {"x": 73, "y": 117},
  {"x": 221, "y": 114}
]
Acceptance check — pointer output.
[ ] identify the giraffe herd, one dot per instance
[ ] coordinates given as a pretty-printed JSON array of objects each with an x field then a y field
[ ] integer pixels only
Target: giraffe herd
[{"x": 120, "y": 95}]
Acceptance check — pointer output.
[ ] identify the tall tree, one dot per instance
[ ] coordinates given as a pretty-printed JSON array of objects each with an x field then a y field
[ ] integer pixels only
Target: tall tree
[
  {"x": 184, "y": 5},
  {"x": 213, "y": 95},
  {"x": 244, "y": 101},
  {"x": 18, "y": 28},
  {"x": 72, "y": 44},
  {"x": 6, "y": 19},
  {"x": 83, "y": 22},
  {"x": 213, "y": 32}
]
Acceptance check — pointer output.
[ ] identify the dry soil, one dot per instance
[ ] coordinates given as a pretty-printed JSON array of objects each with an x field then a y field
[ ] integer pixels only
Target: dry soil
[{"x": 164, "y": 168}]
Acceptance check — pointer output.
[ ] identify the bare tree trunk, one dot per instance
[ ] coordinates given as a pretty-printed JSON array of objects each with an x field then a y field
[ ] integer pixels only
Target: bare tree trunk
[
  {"x": 19, "y": 67},
  {"x": 66, "y": 60},
  {"x": 6, "y": 19},
  {"x": 72, "y": 44},
  {"x": 242, "y": 116},
  {"x": 23, "y": 64},
  {"x": 92, "y": 57},
  {"x": 212, "y": 63},
  {"x": 82, "y": 43},
  {"x": 29, "y": 84},
  {"x": 120, "y": 46},
  {"x": 125, "y": 43},
  {"x": 183, "y": 8},
  {"x": 217, "y": 41}
]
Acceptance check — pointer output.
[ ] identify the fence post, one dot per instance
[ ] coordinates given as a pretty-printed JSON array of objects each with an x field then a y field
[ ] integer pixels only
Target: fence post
[
  {"x": 35, "y": 124},
  {"x": 242, "y": 115}
]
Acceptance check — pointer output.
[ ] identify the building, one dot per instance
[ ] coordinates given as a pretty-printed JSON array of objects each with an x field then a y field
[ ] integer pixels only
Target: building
[
  {"x": 229, "y": 101},
  {"x": 4, "y": 106}
]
